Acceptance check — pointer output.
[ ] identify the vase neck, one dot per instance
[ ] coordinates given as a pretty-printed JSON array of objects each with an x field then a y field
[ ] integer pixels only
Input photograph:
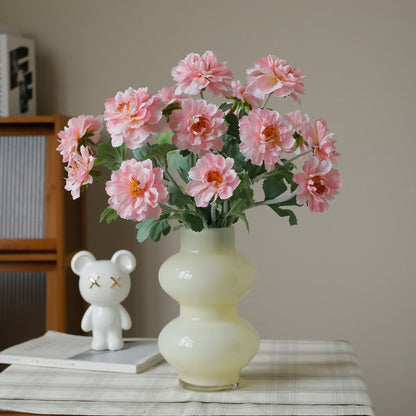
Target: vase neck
[{"x": 210, "y": 239}]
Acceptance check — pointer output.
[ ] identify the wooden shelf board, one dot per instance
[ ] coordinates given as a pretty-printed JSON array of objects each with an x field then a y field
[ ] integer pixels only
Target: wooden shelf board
[
  {"x": 28, "y": 257},
  {"x": 27, "y": 244}
]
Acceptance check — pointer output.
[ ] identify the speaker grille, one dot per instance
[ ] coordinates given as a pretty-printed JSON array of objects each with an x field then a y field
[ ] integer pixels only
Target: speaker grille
[
  {"x": 22, "y": 183},
  {"x": 22, "y": 306}
]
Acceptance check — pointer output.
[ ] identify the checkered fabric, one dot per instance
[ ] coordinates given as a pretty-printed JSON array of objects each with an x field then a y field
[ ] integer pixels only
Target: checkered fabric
[{"x": 285, "y": 378}]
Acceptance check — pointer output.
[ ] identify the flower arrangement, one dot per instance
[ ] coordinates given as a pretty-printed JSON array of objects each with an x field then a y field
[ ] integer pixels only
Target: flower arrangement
[{"x": 174, "y": 157}]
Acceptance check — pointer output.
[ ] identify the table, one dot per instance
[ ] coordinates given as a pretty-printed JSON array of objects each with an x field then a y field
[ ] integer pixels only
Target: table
[{"x": 285, "y": 378}]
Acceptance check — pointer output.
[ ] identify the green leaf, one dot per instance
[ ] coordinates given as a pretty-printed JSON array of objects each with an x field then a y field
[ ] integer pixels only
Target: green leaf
[
  {"x": 298, "y": 138},
  {"x": 159, "y": 227},
  {"x": 283, "y": 171},
  {"x": 243, "y": 192},
  {"x": 273, "y": 187},
  {"x": 232, "y": 121},
  {"x": 109, "y": 214},
  {"x": 85, "y": 141},
  {"x": 144, "y": 228},
  {"x": 231, "y": 149},
  {"x": 182, "y": 164},
  {"x": 165, "y": 137},
  {"x": 254, "y": 170},
  {"x": 194, "y": 222},
  {"x": 244, "y": 111},
  {"x": 177, "y": 197},
  {"x": 160, "y": 152},
  {"x": 95, "y": 173},
  {"x": 141, "y": 153},
  {"x": 284, "y": 213},
  {"x": 225, "y": 106},
  {"x": 111, "y": 157},
  {"x": 167, "y": 111},
  {"x": 152, "y": 229},
  {"x": 243, "y": 216}
]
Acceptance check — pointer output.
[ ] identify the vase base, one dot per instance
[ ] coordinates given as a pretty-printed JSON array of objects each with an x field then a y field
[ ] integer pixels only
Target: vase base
[{"x": 194, "y": 387}]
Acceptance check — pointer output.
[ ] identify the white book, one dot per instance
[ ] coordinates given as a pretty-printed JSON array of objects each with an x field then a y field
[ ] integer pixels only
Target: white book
[
  {"x": 55, "y": 349},
  {"x": 17, "y": 76}
]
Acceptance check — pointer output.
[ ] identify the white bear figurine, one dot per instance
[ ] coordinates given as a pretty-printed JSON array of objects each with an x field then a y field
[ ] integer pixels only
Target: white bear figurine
[{"x": 104, "y": 284}]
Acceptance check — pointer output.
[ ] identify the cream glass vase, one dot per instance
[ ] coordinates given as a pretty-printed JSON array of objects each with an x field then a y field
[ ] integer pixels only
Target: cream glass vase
[{"x": 208, "y": 343}]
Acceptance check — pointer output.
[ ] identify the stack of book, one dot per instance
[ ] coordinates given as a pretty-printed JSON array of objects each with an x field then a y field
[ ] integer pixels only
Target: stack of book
[{"x": 55, "y": 349}]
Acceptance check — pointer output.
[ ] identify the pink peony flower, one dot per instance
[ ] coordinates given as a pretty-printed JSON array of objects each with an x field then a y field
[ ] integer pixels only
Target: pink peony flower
[
  {"x": 133, "y": 117},
  {"x": 77, "y": 128},
  {"x": 212, "y": 177},
  {"x": 78, "y": 170},
  {"x": 199, "y": 126},
  {"x": 136, "y": 190},
  {"x": 301, "y": 125},
  {"x": 168, "y": 96},
  {"x": 240, "y": 91},
  {"x": 264, "y": 136},
  {"x": 195, "y": 73},
  {"x": 318, "y": 183},
  {"x": 322, "y": 141},
  {"x": 272, "y": 75}
]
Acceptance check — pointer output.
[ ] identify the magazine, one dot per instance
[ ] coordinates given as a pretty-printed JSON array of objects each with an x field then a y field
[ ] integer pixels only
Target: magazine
[{"x": 56, "y": 349}]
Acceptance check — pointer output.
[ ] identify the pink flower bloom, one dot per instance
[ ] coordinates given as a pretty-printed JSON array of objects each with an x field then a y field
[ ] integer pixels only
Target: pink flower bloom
[
  {"x": 240, "y": 91},
  {"x": 318, "y": 183},
  {"x": 272, "y": 75},
  {"x": 212, "y": 177},
  {"x": 301, "y": 125},
  {"x": 199, "y": 126},
  {"x": 322, "y": 141},
  {"x": 136, "y": 190},
  {"x": 195, "y": 73},
  {"x": 78, "y": 170},
  {"x": 168, "y": 96},
  {"x": 77, "y": 128},
  {"x": 133, "y": 117},
  {"x": 264, "y": 136}
]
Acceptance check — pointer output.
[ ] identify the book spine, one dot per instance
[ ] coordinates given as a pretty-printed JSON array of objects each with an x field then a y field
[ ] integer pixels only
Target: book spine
[{"x": 4, "y": 70}]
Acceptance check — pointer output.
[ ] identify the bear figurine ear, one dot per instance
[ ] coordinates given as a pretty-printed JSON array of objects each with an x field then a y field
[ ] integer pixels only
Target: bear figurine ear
[
  {"x": 80, "y": 260},
  {"x": 125, "y": 259}
]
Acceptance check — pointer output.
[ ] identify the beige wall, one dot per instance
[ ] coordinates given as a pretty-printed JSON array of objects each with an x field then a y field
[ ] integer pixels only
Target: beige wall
[{"x": 348, "y": 274}]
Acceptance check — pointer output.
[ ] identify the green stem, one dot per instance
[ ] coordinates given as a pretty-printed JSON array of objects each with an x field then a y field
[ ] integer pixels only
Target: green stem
[
  {"x": 273, "y": 172},
  {"x": 224, "y": 221},
  {"x": 193, "y": 159},
  {"x": 297, "y": 157},
  {"x": 262, "y": 176},
  {"x": 100, "y": 179},
  {"x": 277, "y": 200},
  {"x": 224, "y": 213},
  {"x": 214, "y": 214},
  {"x": 169, "y": 208},
  {"x": 267, "y": 100}
]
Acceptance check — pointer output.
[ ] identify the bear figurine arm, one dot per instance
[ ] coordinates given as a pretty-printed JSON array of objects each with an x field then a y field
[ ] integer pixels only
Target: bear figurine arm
[
  {"x": 124, "y": 318},
  {"x": 86, "y": 322}
]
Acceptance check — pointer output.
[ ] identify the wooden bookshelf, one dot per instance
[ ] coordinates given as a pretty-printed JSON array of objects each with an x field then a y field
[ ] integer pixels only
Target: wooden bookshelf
[{"x": 63, "y": 232}]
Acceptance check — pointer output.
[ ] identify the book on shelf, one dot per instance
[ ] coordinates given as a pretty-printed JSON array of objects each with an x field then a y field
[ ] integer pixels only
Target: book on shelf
[
  {"x": 17, "y": 76},
  {"x": 56, "y": 349}
]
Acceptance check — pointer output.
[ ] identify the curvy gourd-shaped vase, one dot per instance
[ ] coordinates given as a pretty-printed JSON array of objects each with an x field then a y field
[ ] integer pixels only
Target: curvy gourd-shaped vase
[{"x": 208, "y": 343}]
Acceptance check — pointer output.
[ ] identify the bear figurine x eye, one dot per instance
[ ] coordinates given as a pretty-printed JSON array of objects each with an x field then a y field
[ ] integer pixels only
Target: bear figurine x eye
[{"x": 104, "y": 284}]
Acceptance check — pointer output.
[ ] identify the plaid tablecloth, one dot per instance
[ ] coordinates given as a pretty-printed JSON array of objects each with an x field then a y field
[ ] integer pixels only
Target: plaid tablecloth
[{"x": 285, "y": 378}]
